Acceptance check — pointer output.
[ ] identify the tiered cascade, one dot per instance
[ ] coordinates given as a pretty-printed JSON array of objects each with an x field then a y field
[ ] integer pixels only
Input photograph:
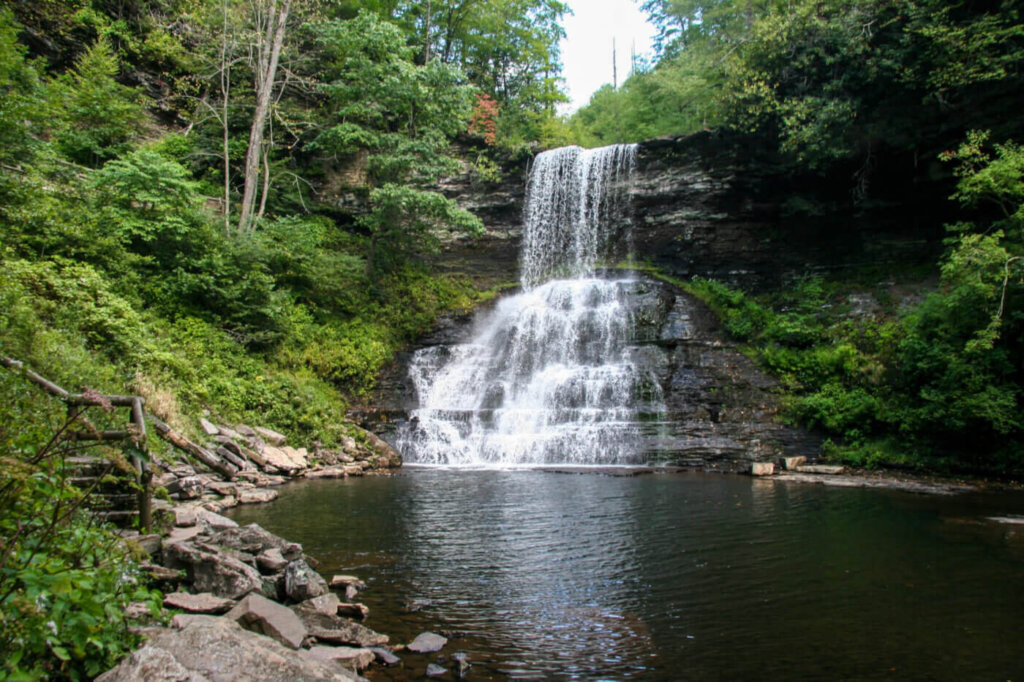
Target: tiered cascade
[{"x": 548, "y": 376}]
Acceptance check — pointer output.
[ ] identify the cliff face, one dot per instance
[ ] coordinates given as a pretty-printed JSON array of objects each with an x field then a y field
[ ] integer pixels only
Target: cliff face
[
  {"x": 707, "y": 205},
  {"x": 711, "y": 205}
]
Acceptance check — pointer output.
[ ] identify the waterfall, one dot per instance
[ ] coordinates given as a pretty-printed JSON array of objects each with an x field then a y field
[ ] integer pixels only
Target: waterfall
[{"x": 548, "y": 376}]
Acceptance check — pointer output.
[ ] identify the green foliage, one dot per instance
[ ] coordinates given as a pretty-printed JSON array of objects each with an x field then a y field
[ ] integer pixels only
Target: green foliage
[
  {"x": 100, "y": 117},
  {"x": 65, "y": 580},
  {"x": 20, "y": 94}
]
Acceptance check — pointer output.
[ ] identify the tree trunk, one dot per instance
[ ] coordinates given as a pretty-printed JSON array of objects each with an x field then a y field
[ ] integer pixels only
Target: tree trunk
[
  {"x": 225, "y": 91},
  {"x": 269, "y": 52}
]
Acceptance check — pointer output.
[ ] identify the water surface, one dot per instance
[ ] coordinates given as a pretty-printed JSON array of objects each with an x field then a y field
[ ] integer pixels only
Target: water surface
[{"x": 673, "y": 577}]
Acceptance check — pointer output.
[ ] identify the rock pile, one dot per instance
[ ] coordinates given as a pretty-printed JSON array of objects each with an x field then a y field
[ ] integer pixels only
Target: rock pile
[
  {"x": 253, "y": 607},
  {"x": 252, "y": 460}
]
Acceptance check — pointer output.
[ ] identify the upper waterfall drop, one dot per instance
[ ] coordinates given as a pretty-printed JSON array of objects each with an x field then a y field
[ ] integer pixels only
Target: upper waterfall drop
[
  {"x": 576, "y": 206},
  {"x": 549, "y": 375}
]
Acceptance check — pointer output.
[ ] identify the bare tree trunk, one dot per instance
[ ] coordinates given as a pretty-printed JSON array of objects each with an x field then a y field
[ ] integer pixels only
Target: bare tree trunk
[
  {"x": 225, "y": 91},
  {"x": 269, "y": 51}
]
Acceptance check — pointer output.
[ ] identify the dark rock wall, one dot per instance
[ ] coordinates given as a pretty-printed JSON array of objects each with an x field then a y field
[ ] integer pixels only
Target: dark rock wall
[
  {"x": 721, "y": 412},
  {"x": 712, "y": 205}
]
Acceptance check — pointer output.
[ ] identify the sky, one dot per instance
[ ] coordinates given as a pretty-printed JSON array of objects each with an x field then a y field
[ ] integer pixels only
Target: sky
[{"x": 587, "y": 46}]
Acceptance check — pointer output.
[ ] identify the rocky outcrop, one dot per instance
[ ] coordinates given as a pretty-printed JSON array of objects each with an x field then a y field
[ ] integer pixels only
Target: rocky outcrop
[
  {"x": 720, "y": 411},
  {"x": 713, "y": 204},
  {"x": 207, "y": 648}
]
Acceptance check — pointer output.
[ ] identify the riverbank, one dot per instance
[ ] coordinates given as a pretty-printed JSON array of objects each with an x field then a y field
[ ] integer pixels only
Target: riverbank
[{"x": 243, "y": 602}]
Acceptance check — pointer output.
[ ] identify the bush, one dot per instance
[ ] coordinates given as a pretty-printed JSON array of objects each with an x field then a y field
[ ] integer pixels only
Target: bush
[{"x": 65, "y": 580}]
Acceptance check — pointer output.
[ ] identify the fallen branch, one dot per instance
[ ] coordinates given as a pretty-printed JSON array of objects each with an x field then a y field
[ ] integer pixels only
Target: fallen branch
[{"x": 211, "y": 460}]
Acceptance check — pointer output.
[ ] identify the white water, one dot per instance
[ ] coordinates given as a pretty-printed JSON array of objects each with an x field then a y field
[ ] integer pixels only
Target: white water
[{"x": 547, "y": 377}]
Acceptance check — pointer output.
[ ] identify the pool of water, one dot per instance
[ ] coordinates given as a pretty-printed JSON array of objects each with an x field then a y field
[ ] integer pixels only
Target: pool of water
[{"x": 548, "y": 575}]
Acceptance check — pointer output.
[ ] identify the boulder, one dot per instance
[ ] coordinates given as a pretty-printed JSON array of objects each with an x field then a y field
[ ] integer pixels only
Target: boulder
[
  {"x": 347, "y": 657},
  {"x": 208, "y": 427},
  {"x": 791, "y": 463},
  {"x": 426, "y": 643},
  {"x": 188, "y": 488},
  {"x": 301, "y": 582},
  {"x": 259, "y": 614},
  {"x": 335, "y": 630},
  {"x": 212, "y": 521},
  {"x": 223, "y": 488},
  {"x": 271, "y": 561},
  {"x": 255, "y": 540},
  {"x": 762, "y": 469},
  {"x": 299, "y": 456},
  {"x": 198, "y": 603},
  {"x": 326, "y": 604},
  {"x": 462, "y": 664},
  {"x": 184, "y": 517},
  {"x": 387, "y": 456},
  {"x": 280, "y": 460},
  {"x": 229, "y": 432},
  {"x": 182, "y": 534},
  {"x": 223, "y": 575},
  {"x": 209, "y": 649},
  {"x": 435, "y": 670},
  {"x": 269, "y": 435}
]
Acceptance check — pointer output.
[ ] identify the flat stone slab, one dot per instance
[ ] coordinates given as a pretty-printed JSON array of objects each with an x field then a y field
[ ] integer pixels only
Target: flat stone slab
[
  {"x": 762, "y": 469},
  {"x": 831, "y": 469},
  {"x": 340, "y": 582},
  {"x": 922, "y": 487},
  {"x": 426, "y": 643},
  {"x": 273, "y": 437},
  {"x": 345, "y": 656},
  {"x": 207, "y": 648},
  {"x": 204, "y": 602},
  {"x": 259, "y": 614}
]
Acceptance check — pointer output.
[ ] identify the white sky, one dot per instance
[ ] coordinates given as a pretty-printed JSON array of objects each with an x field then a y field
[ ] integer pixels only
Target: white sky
[{"x": 587, "y": 46}]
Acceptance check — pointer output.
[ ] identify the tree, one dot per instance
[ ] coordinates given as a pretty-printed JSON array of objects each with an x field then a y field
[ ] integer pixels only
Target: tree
[
  {"x": 100, "y": 117},
  {"x": 402, "y": 116},
  {"x": 272, "y": 20}
]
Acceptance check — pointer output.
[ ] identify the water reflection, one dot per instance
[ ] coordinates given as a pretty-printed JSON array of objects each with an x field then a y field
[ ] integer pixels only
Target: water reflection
[{"x": 691, "y": 577}]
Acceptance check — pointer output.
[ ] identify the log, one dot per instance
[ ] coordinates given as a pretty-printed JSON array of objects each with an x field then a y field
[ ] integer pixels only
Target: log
[
  {"x": 211, "y": 460},
  {"x": 46, "y": 384},
  {"x": 97, "y": 435}
]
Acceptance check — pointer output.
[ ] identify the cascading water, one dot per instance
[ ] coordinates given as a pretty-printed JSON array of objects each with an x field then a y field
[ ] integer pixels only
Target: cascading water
[{"x": 548, "y": 376}]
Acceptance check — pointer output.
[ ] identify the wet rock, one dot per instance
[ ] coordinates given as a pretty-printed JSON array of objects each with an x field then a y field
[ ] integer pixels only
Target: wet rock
[
  {"x": 207, "y": 649},
  {"x": 333, "y": 629},
  {"x": 204, "y": 603},
  {"x": 259, "y": 614},
  {"x": 347, "y": 657},
  {"x": 385, "y": 656},
  {"x": 351, "y": 593},
  {"x": 762, "y": 469},
  {"x": 434, "y": 670},
  {"x": 343, "y": 581},
  {"x": 462, "y": 664},
  {"x": 359, "y": 611},
  {"x": 269, "y": 435},
  {"x": 302, "y": 582},
  {"x": 426, "y": 643}
]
